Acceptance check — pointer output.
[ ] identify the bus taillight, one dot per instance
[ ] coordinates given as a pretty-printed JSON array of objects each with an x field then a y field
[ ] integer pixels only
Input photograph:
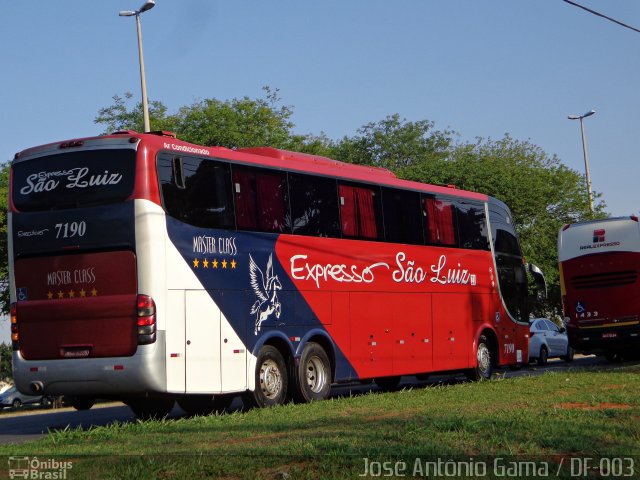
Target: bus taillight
[
  {"x": 15, "y": 335},
  {"x": 146, "y": 320}
]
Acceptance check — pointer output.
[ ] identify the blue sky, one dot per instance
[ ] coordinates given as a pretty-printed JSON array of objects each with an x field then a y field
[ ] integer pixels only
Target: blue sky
[{"x": 481, "y": 68}]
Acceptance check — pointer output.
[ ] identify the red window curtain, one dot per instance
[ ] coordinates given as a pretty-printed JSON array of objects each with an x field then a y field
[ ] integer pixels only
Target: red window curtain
[
  {"x": 367, "y": 214},
  {"x": 440, "y": 222},
  {"x": 348, "y": 211},
  {"x": 270, "y": 189},
  {"x": 357, "y": 212},
  {"x": 245, "y": 199}
]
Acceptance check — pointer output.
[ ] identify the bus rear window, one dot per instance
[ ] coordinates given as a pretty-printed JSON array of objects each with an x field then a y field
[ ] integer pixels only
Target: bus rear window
[{"x": 74, "y": 179}]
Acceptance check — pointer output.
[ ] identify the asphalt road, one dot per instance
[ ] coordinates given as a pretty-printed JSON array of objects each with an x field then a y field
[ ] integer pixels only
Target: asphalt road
[{"x": 18, "y": 427}]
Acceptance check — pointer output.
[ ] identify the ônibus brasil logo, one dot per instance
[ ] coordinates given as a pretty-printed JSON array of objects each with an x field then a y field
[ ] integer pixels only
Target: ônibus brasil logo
[{"x": 35, "y": 468}]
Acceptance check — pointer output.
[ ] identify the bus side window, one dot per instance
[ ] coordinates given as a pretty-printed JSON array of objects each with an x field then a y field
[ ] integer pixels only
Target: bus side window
[
  {"x": 439, "y": 221},
  {"x": 472, "y": 226},
  {"x": 205, "y": 200},
  {"x": 178, "y": 176},
  {"x": 314, "y": 206},
  {"x": 512, "y": 276},
  {"x": 260, "y": 200},
  {"x": 360, "y": 212},
  {"x": 402, "y": 213}
]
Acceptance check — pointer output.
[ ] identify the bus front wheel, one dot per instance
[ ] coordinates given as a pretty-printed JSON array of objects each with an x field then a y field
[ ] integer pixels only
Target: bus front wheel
[
  {"x": 484, "y": 356},
  {"x": 271, "y": 380},
  {"x": 313, "y": 374}
]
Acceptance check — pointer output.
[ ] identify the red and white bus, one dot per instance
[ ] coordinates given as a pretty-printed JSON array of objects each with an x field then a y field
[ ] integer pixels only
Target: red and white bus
[
  {"x": 599, "y": 269},
  {"x": 151, "y": 270}
]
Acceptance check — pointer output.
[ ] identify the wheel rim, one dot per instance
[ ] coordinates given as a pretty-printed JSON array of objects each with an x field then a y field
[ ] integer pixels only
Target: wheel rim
[
  {"x": 270, "y": 379},
  {"x": 316, "y": 374},
  {"x": 484, "y": 359}
]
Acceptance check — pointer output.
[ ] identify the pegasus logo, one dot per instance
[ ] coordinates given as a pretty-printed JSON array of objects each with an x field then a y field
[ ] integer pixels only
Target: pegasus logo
[{"x": 265, "y": 289}]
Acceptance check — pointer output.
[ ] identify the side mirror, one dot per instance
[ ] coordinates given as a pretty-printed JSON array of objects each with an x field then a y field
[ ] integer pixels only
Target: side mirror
[{"x": 538, "y": 277}]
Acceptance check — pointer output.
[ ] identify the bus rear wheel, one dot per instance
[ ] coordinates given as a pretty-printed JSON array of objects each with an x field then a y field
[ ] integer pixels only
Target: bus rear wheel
[
  {"x": 271, "y": 379},
  {"x": 313, "y": 374}
]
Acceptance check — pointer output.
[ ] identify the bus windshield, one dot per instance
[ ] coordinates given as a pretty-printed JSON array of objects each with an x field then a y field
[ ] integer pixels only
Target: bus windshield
[{"x": 73, "y": 179}]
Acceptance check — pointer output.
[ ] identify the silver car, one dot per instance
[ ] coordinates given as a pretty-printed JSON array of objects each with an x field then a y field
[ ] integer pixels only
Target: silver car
[
  {"x": 13, "y": 398},
  {"x": 547, "y": 340}
]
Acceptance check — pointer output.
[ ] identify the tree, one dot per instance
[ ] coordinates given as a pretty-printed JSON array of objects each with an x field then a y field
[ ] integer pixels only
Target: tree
[
  {"x": 232, "y": 123},
  {"x": 4, "y": 254},
  {"x": 394, "y": 143},
  {"x": 6, "y": 352}
]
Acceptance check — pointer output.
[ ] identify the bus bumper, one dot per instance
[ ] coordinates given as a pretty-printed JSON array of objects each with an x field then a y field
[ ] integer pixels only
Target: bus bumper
[{"x": 144, "y": 372}]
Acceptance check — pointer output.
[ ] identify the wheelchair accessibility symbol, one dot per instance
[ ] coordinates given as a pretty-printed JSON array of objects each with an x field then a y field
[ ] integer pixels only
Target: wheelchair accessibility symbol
[{"x": 580, "y": 307}]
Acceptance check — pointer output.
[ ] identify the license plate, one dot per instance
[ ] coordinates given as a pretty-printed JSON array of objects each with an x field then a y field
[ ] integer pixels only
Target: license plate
[{"x": 609, "y": 335}]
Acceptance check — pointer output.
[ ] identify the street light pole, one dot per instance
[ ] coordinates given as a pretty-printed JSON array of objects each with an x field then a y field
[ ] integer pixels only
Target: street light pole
[
  {"x": 585, "y": 153},
  {"x": 149, "y": 4}
]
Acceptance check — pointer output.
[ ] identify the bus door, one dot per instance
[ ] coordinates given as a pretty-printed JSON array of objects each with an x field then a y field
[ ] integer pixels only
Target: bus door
[
  {"x": 452, "y": 327},
  {"x": 204, "y": 353}
]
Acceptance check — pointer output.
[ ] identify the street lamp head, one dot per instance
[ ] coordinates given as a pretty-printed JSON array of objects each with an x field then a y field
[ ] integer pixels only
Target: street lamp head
[
  {"x": 580, "y": 117},
  {"x": 148, "y": 5}
]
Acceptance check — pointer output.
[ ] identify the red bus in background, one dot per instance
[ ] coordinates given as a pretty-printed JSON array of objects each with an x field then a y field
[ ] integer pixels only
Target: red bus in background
[
  {"x": 151, "y": 270},
  {"x": 599, "y": 270}
]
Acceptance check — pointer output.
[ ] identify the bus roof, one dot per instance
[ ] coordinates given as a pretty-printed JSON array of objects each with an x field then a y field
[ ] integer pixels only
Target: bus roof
[
  {"x": 617, "y": 234},
  {"x": 263, "y": 156}
]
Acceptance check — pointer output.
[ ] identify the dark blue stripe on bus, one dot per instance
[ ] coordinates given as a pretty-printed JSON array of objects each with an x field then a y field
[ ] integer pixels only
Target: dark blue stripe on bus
[{"x": 221, "y": 260}]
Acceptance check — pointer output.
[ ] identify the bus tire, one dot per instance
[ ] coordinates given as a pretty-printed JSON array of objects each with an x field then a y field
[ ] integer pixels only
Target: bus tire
[
  {"x": 484, "y": 358},
  {"x": 271, "y": 382},
  {"x": 313, "y": 374},
  {"x": 613, "y": 357},
  {"x": 151, "y": 408},
  {"x": 387, "y": 383},
  {"x": 543, "y": 356}
]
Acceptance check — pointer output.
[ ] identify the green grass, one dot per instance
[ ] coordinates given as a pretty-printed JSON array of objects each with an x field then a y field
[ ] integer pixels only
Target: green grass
[{"x": 573, "y": 413}]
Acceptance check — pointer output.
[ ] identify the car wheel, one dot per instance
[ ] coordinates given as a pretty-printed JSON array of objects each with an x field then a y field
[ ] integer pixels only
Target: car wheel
[
  {"x": 16, "y": 403},
  {"x": 570, "y": 353},
  {"x": 543, "y": 356}
]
